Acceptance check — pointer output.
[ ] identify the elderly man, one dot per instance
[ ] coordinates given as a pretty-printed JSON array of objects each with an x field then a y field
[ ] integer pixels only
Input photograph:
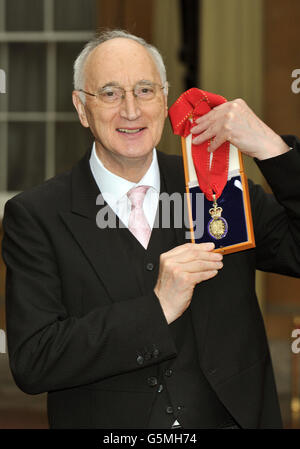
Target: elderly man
[{"x": 131, "y": 326}]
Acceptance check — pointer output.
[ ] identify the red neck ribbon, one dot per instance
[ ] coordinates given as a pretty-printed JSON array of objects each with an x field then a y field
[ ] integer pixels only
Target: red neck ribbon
[{"x": 191, "y": 105}]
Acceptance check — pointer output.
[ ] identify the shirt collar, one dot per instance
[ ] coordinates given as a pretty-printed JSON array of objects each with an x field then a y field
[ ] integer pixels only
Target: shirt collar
[{"x": 115, "y": 187}]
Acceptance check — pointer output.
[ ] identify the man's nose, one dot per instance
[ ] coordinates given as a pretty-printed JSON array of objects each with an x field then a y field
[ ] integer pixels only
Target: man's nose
[{"x": 130, "y": 108}]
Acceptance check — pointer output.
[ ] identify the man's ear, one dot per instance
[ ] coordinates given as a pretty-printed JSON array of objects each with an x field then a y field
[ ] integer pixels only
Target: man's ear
[
  {"x": 166, "y": 91},
  {"x": 80, "y": 109},
  {"x": 166, "y": 105}
]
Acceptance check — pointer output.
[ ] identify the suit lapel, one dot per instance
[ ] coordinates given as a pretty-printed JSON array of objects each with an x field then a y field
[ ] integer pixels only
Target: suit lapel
[
  {"x": 173, "y": 180},
  {"x": 102, "y": 247}
]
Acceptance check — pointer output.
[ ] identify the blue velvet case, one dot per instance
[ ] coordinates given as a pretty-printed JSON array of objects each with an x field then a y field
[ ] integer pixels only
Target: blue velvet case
[{"x": 232, "y": 203}]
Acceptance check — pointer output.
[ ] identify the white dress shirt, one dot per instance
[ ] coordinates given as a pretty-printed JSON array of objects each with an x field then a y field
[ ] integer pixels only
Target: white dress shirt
[{"x": 114, "y": 188}]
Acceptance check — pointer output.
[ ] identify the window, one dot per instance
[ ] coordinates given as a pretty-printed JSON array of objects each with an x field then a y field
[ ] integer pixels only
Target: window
[{"x": 40, "y": 134}]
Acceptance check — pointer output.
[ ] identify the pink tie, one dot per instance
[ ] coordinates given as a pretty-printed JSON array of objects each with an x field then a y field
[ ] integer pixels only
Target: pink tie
[{"x": 138, "y": 224}]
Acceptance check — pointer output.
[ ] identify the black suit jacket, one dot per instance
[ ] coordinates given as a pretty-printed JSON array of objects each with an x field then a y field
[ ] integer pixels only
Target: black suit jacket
[{"x": 78, "y": 326}]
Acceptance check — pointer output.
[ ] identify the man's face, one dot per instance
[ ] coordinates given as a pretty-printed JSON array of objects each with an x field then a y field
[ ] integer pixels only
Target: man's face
[{"x": 128, "y": 131}]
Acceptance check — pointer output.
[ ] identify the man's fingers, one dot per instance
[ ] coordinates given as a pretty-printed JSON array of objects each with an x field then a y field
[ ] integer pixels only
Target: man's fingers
[
  {"x": 198, "y": 266},
  {"x": 201, "y": 126},
  {"x": 202, "y": 256},
  {"x": 191, "y": 252},
  {"x": 218, "y": 141},
  {"x": 190, "y": 248},
  {"x": 209, "y": 246},
  {"x": 196, "y": 278},
  {"x": 204, "y": 136}
]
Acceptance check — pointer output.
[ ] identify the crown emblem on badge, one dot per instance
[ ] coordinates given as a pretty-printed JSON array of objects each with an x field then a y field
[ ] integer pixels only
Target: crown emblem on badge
[{"x": 216, "y": 211}]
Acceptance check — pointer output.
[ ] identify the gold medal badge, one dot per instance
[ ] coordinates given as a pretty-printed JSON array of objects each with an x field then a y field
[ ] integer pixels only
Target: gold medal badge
[{"x": 217, "y": 226}]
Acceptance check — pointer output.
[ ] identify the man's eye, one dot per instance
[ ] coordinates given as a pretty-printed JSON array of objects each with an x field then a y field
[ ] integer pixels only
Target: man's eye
[
  {"x": 109, "y": 93},
  {"x": 145, "y": 91}
]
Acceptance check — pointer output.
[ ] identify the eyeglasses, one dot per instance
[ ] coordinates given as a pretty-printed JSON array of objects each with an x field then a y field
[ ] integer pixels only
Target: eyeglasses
[{"x": 113, "y": 94}]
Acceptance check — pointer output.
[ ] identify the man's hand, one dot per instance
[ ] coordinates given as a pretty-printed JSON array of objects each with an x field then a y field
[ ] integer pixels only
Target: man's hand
[
  {"x": 180, "y": 270},
  {"x": 236, "y": 122}
]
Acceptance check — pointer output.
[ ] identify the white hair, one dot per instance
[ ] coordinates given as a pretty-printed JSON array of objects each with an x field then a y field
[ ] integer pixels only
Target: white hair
[{"x": 79, "y": 64}]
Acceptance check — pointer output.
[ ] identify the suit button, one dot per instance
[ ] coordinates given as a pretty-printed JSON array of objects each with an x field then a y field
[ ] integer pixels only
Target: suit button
[
  {"x": 149, "y": 266},
  {"x": 155, "y": 353},
  {"x": 160, "y": 388},
  {"x": 140, "y": 360},
  {"x": 169, "y": 410},
  {"x": 147, "y": 356},
  {"x": 168, "y": 372},
  {"x": 152, "y": 381},
  {"x": 212, "y": 371}
]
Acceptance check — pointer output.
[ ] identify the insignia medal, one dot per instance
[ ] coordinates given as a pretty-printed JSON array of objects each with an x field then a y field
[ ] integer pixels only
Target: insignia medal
[{"x": 217, "y": 226}]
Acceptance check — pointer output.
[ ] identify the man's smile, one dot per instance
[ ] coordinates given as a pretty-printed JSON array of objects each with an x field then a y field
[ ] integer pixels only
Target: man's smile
[{"x": 130, "y": 130}]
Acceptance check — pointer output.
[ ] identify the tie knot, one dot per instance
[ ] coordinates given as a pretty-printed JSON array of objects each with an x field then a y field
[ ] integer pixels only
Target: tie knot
[{"x": 137, "y": 195}]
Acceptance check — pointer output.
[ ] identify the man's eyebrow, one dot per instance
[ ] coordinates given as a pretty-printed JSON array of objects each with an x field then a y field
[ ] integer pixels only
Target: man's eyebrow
[
  {"x": 110, "y": 84},
  {"x": 115, "y": 84}
]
